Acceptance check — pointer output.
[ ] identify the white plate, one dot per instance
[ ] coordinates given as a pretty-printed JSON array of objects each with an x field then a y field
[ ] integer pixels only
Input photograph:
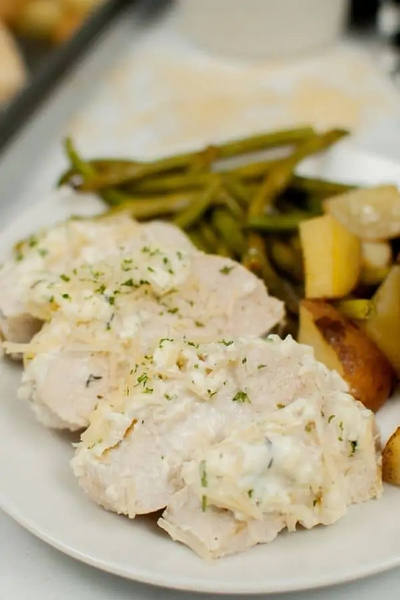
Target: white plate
[{"x": 37, "y": 487}]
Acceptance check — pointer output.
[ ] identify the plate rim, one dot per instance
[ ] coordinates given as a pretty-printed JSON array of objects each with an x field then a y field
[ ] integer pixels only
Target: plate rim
[{"x": 364, "y": 571}]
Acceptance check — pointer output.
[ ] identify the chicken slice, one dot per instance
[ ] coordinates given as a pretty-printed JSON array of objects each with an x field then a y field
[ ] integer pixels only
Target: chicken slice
[
  {"x": 193, "y": 413},
  {"x": 275, "y": 474},
  {"x": 60, "y": 249},
  {"x": 99, "y": 336}
]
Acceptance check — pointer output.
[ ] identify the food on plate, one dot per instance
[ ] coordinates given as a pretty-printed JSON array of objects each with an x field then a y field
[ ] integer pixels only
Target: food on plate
[
  {"x": 391, "y": 459},
  {"x": 238, "y": 439},
  {"x": 53, "y": 20},
  {"x": 148, "y": 336},
  {"x": 13, "y": 74},
  {"x": 376, "y": 255},
  {"x": 372, "y": 214},
  {"x": 101, "y": 313},
  {"x": 53, "y": 251},
  {"x": 343, "y": 346},
  {"x": 333, "y": 272},
  {"x": 384, "y": 325},
  {"x": 261, "y": 213},
  {"x": 219, "y": 207}
]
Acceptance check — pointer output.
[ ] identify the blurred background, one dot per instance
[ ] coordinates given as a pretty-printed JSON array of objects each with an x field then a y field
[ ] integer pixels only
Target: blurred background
[{"x": 33, "y": 32}]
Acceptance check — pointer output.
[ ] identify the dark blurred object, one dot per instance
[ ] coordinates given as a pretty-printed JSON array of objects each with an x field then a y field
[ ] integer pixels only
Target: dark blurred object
[
  {"x": 388, "y": 26},
  {"x": 363, "y": 13}
]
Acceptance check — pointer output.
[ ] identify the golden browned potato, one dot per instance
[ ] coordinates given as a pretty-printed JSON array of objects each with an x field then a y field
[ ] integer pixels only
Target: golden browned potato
[
  {"x": 38, "y": 18},
  {"x": 376, "y": 259},
  {"x": 391, "y": 459},
  {"x": 13, "y": 74},
  {"x": 370, "y": 213},
  {"x": 80, "y": 7},
  {"x": 332, "y": 258},
  {"x": 9, "y": 9},
  {"x": 342, "y": 346},
  {"x": 384, "y": 326},
  {"x": 66, "y": 28}
]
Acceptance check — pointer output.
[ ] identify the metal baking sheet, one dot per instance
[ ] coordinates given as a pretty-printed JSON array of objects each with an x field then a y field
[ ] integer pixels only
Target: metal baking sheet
[{"x": 50, "y": 65}]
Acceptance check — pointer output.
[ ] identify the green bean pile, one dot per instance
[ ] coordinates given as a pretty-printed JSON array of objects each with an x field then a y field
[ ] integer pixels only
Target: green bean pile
[{"x": 250, "y": 213}]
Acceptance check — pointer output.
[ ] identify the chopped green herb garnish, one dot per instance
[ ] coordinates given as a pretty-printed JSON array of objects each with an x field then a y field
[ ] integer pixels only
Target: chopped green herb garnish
[
  {"x": 226, "y": 343},
  {"x": 66, "y": 296},
  {"x": 161, "y": 343},
  {"x": 171, "y": 271},
  {"x": 241, "y": 397},
  {"x": 111, "y": 300},
  {"x": 43, "y": 252},
  {"x": 129, "y": 283},
  {"x": 261, "y": 366},
  {"x": 142, "y": 379},
  {"x": 309, "y": 427},
  {"x": 226, "y": 270},
  {"x": 244, "y": 361},
  {"x": 193, "y": 345},
  {"x": 204, "y": 503},
  {"x": 92, "y": 378},
  {"x": 331, "y": 417},
  {"x": 172, "y": 311},
  {"x": 250, "y": 493},
  {"x": 32, "y": 241},
  {"x": 101, "y": 289},
  {"x": 199, "y": 324},
  {"x": 108, "y": 326},
  {"x": 65, "y": 278},
  {"x": 203, "y": 474},
  {"x": 210, "y": 393},
  {"x": 280, "y": 406},
  {"x": 167, "y": 396},
  {"x": 353, "y": 445}
]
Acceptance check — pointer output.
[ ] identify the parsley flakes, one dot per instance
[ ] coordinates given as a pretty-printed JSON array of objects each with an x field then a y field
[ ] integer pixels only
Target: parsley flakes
[
  {"x": 203, "y": 474},
  {"x": 226, "y": 270},
  {"x": 241, "y": 397}
]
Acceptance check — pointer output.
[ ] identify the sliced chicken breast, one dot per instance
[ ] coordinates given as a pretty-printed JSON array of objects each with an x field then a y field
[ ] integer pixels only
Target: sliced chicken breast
[
  {"x": 57, "y": 250},
  {"x": 238, "y": 438},
  {"x": 197, "y": 296},
  {"x": 286, "y": 471}
]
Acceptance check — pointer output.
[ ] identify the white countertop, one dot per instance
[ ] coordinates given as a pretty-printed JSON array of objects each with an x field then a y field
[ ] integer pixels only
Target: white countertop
[{"x": 30, "y": 570}]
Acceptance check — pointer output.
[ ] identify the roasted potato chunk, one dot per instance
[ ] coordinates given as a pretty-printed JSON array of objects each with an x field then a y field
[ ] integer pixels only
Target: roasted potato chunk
[
  {"x": 391, "y": 459},
  {"x": 341, "y": 345},
  {"x": 371, "y": 214},
  {"x": 332, "y": 258},
  {"x": 376, "y": 258},
  {"x": 384, "y": 326}
]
